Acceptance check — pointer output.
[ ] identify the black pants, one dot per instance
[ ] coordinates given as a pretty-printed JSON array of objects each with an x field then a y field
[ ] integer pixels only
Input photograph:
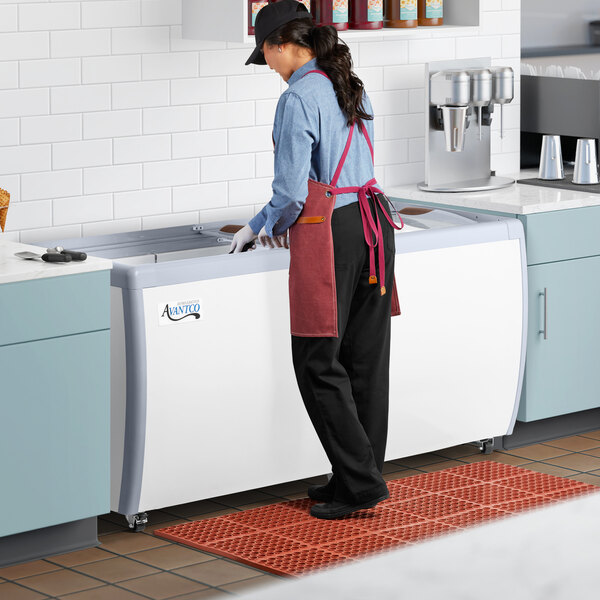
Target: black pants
[{"x": 344, "y": 381}]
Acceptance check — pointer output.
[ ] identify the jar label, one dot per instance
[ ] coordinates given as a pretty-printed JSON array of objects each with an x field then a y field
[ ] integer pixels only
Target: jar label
[
  {"x": 408, "y": 10},
  {"x": 340, "y": 11},
  {"x": 434, "y": 9},
  {"x": 306, "y": 3},
  {"x": 375, "y": 10},
  {"x": 256, "y": 6}
]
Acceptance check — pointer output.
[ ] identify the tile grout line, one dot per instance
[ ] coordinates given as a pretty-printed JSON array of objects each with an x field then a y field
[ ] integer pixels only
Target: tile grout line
[
  {"x": 237, "y": 508},
  {"x": 160, "y": 569}
]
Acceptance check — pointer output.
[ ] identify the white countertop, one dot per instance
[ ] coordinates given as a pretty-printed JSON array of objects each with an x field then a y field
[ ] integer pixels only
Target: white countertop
[
  {"x": 516, "y": 199},
  {"x": 547, "y": 553},
  {"x": 13, "y": 268}
]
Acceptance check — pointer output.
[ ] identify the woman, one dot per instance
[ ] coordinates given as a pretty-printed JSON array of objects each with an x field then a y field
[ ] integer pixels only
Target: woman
[{"x": 339, "y": 308}]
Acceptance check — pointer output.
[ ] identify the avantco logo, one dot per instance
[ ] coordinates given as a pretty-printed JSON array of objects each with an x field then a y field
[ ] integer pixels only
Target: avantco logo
[{"x": 179, "y": 311}]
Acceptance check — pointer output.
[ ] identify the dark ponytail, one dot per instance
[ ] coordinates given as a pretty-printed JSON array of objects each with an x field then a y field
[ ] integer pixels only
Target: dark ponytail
[{"x": 333, "y": 57}]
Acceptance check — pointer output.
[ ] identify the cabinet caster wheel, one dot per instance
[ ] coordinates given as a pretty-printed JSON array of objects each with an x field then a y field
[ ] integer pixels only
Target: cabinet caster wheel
[
  {"x": 486, "y": 446},
  {"x": 137, "y": 522}
]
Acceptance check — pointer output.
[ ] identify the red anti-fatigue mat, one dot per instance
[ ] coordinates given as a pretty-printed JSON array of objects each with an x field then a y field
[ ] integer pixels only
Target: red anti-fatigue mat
[{"x": 284, "y": 539}]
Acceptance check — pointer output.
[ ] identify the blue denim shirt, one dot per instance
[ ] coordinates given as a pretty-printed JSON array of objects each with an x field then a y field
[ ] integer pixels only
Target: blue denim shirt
[{"x": 310, "y": 133}]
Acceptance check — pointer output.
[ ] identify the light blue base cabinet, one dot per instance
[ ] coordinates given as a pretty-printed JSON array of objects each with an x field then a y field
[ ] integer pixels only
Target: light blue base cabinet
[
  {"x": 563, "y": 344},
  {"x": 562, "y": 370},
  {"x": 562, "y": 373},
  {"x": 54, "y": 401}
]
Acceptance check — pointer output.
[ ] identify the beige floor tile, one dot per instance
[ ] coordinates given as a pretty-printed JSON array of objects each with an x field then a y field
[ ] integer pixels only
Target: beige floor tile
[
  {"x": 576, "y": 461},
  {"x": 241, "y": 498},
  {"x": 298, "y": 495},
  {"x": 592, "y": 452},
  {"x": 60, "y": 582},
  {"x": 208, "y": 594},
  {"x": 501, "y": 457},
  {"x": 446, "y": 464},
  {"x": 116, "y": 569},
  {"x": 194, "y": 508},
  {"x": 592, "y": 434},
  {"x": 36, "y": 567},
  {"x": 152, "y": 527},
  {"x": 575, "y": 443},
  {"x": 259, "y": 504},
  {"x": 402, "y": 474},
  {"x": 246, "y": 585},
  {"x": 81, "y": 557},
  {"x": 537, "y": 452},
  {"x": 218, "y": 572},
  {"x": 159, "y": 516},
  {"x": 588, "y": 478},
  {"x": 106, "y": 592},
  {"x": 419, "y": 460},
  {"x": 13, "y": 591},
  {"x": 597, "y": 472},
  {"x": 162, "y": 585},
  {"x": 458, "y": 451},
  {"x": 217, "y": 513},
  {"x": 390, "y": 467},
  {"x": 171, "y": 557},
  {"x": 541, "y": 467},
  {"x": 127, "y": 542}
]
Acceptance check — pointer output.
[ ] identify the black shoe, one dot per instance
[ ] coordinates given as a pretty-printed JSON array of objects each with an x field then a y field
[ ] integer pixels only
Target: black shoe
[
  {"x": 321, "y": 493},
  {"x": 337, "y": 510}
]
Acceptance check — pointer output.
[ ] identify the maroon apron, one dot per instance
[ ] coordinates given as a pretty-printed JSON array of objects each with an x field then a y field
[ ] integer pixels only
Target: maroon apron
[{"x": 313, "y": 298}]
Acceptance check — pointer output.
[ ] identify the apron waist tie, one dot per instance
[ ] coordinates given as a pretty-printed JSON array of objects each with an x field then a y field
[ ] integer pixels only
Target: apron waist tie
[{"x": 372, "y": 228}]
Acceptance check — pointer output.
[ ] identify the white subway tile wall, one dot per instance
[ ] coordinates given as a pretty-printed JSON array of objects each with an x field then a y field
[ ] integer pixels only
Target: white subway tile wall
[{"x": 110, "y": 121}]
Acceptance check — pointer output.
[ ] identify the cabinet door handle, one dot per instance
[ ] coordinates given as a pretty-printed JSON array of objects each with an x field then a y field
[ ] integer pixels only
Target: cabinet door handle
[{"x": 543, "y": 298}]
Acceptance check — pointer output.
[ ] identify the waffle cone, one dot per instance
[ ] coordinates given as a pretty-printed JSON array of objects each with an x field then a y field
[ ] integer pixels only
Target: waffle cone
[{"x": 4, "y": 201}]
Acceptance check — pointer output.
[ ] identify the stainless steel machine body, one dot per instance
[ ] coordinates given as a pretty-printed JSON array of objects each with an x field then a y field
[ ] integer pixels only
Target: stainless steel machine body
[{"x": 457, "y": 138}]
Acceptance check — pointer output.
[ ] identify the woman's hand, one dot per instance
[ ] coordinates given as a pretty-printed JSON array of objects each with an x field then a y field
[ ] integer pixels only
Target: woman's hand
[
  {"x": 278, "y": 241},
  {"x": 241, "y": 238}
]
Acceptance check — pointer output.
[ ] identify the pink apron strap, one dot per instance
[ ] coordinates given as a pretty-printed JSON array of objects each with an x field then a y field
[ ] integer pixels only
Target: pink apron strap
[
  {"x": 371, "y": 228},
  {"x": 366, "y": 134},
  {"x": 340, "y": 166},
  {"x": 316, "y": 71}
]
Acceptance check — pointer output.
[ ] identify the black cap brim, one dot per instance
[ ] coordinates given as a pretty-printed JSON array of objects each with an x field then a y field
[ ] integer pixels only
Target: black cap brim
[{"x": 256, "y": 58}]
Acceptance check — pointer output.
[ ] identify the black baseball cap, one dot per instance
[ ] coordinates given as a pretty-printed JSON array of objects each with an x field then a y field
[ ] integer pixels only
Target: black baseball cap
[{"x": 270, "y": 18}]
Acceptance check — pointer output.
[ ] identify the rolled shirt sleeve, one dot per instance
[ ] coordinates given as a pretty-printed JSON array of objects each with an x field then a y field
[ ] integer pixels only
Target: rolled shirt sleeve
[{"x": 295, "y": 134}]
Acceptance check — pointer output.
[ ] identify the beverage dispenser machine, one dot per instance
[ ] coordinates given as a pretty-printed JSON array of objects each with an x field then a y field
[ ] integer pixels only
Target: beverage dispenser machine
[{"x": 459, "y": 108}]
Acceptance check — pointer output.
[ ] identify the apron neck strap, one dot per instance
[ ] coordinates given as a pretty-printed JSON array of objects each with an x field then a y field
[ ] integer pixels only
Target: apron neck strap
[
  {"x": 315, "y": 71},
  {"x": 366, "y": 134},
  {"x": 340, "y": 166},
  {"x": 363, "y": 129}
]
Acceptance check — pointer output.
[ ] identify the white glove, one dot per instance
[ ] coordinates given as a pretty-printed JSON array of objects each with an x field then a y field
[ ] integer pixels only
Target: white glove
[
  {"x": 241, "y": 238},
  {"x": 277, "y": 241}
]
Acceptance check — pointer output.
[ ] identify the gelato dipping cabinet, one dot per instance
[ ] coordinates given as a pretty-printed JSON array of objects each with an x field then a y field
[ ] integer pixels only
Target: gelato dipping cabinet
[{"x": 203, "y": 395}]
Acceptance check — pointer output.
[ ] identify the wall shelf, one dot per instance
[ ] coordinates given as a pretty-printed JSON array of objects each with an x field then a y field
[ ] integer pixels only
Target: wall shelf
[{"x": 227, "y": 21}]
